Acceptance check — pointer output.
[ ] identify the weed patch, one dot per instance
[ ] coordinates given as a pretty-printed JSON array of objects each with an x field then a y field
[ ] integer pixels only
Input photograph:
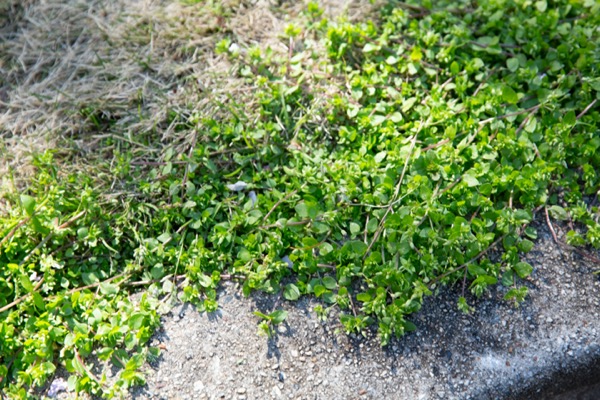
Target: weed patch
[{"x": 378, "y": 162}]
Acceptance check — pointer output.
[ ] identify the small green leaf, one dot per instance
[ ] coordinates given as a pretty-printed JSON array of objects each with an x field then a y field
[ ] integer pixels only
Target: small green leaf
[
  {"x": 165, "y": 237},
  {"x": 509, "y": 95},
  {"x": 82, "y": 232},
  {"x": 261, "y": 315},
  {"x": 531, "y": 232},
  {"x": 301, "y": 210},
  {"x": 541, "y": 5},
  {"x": 205, "y": 280},
  {"x": 329, "y": 282},
  {"x": 363, "y": 297},
  {"x": 158, "y": 271},
  {"x": 325, "y": 248},
  {"x": 570, "y": 119},
  {"x": 454, "y": 68},
  {"x": 39, "y": 302},
  {"x": 108, "y": 288},
  {"x": 291, "y": 292},
  {"x": 512, "y": 64},
  {"x": 136, "y": 321},
  {"x": 470, "y": 180},
  {"x": 356, "y": 247},
  {"x": 278, "y": 316},
  {"x": 354, "y": 228},
  {"x": 379, "y": 157},
  {"x": 167, "y": 286},
  {"x": 377, "y": 119},
  {"x": 28, "y": 203},
  {"x": 525, "y": 245},
  {"x": 319, "y": 290},
  {"x": 409, "y": 326},
  {"x": 26, "y": 283},
  {"x": 464, "y": 307},
  {"x": 523, "y": 269},
  {"x": 508, "y": 278},
  {"x": 310, "y": 242},
  {"x": 523, "y": 216},
  {"x": 408, "y": 103},
  {"x": 307, "y": 209},
  {"x": 396, "y": 117},
  {"x": 559, "y": 213},
  {"x": 370, "y": 47}
]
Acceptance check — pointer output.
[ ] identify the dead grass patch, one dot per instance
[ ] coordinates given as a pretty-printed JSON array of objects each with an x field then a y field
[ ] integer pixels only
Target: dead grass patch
[{"x": 74, "y": 72}]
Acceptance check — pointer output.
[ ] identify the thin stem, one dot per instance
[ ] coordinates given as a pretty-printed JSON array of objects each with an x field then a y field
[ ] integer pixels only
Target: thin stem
[
  {"x": 278, "y": 203},
  {"x": 551, "y": 227},
  {"x": 585, "y": 110}
]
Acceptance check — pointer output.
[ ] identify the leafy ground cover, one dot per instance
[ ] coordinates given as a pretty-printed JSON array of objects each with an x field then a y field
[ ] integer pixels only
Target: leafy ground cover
[{"x": 375, "y": 162}]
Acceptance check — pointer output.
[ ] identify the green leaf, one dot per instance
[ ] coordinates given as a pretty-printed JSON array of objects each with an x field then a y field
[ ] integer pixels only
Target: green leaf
[
  {"x": 354, "y": 229},
  {"x": 329, "y": 282},
  {"x": 512, "y": 64},
  {"x": 509, "y": 95},
  {"x": 108, "y": 288},
  {"x": 278, "y": 316},
  {"x": 525, "y": 245},
  {"x": 158, "y": 271},
  {"x": 307, "y": 209},
  {"x": 325, "y": 248},
  {"x": 28, "y": 203},
  {"x": 454, "y": 68},
  {"x": 523, "y": 216},
  {"x": 408, "y": 103},
  {"x": 164, "y": 238},
  {"x": 379, "y": 157},
  {"x": 136, "y": 321},
  {"x": 355, "y": 247},
  {"x": 377, "y": 119},
  {"x": 464, "y": 307},
  {"x": 205, "y": 280},
  {"x": 523, "y": 269},
  {"x": 409, "y": 326},
  {"x": 508, "y": 278},
  {"x": 541, "y": 5},
  {"x": 301, "y": 210},
  {"x": 263, "y": 316},
  {"x": 370, "y": 48},
  {"x": 310, "y": 242},
  {"x": 82, "y": 232},
  {"x": 26, "y": 283},
  {"x": 319, "y": 290},
  {"x": 531, "y": 232},
  {"x": 559, "y": 213},
  {"x": 363, "y": 297},
  {"x": 291, "y": 292},
  {"x": 470, "y": 180},
  {"x": 396, "y": 117},
  {"x": 38, "y": 301},
  {"x": 570, "y": 119}
]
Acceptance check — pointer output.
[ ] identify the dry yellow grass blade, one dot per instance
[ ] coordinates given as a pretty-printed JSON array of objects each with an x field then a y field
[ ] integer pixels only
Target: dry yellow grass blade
[{"x": 74, "y": 71}]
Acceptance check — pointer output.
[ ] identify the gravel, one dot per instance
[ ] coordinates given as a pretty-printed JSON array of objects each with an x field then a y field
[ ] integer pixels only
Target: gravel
[{"x": 545, "y": 347}]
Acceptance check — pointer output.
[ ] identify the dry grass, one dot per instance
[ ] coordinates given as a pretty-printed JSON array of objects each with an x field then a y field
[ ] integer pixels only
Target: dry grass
[{"x": 74, "y": 72}]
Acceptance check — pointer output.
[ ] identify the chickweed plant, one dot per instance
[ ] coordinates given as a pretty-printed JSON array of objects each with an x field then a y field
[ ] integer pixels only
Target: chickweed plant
[{"x": 380, "y": 161}]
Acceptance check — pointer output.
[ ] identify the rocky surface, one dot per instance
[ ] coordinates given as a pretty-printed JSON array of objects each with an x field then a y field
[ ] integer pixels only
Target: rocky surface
[{"x": 547, "y": 346}]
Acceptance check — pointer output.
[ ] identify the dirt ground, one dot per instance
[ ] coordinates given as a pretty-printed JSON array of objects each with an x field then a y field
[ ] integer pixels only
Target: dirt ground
[{"x": 72, "y": 72}]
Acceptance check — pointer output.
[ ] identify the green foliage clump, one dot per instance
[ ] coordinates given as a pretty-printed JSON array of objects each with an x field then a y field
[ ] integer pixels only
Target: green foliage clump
[{"x": 382, "y": 161}]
